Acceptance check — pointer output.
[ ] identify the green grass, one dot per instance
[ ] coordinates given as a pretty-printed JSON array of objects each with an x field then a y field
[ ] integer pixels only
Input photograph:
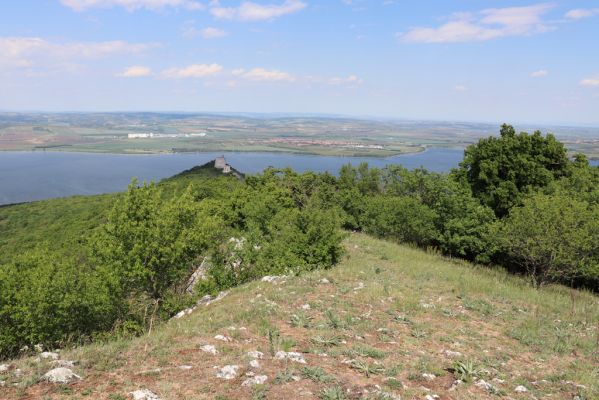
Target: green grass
[{"x": 502, "y": 327}]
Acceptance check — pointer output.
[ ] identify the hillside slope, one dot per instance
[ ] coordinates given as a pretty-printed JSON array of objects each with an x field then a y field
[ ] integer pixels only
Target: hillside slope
[{"x": 387, "y": 321}]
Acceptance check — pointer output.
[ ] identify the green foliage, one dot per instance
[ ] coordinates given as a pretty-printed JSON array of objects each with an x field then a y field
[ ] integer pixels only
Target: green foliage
[
  {"x": 118, "y": 262},
  {"x": 501, "y": 170},
  {"x": 51, "y": 301},
  {"x": 552, "y": 238},
  {"x": 149, "y": 244},
  {"x": 404, "y": 219}
]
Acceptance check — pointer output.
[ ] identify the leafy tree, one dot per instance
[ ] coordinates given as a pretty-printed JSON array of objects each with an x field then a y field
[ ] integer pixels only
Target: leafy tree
[
  {"x": 149, "y": 244},
  {"x": 404, "y": 219},
  {"x": 552, "y": 238},
  {"x": 500, "y": 171}
]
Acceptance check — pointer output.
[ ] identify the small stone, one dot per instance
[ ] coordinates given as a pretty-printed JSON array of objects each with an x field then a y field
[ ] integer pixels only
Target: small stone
[
  {"x": 227, "y": 372},
  {"x": 223, "y": 338},
  {"x": 520, "y": 389},
  {"x": 305, "y": 306},
  {"x": 185, "y": 367},
  {"x": 256, "y": 380},
  {"x": 324, "y": 281},
  {"x": 255, "y": 364},
  {"x": 4, "y": 368},
  {"x": 432, "y": 397},
  {"x": 360, "y": 286},
  {"x": 428, "y": 377},
  {"x": 293, "y": 356},
  {"x": 452, "y": 354},
  {"x": 144, "y": 394},
  {"x": 273, "y": 279},
  {"x": 255, "y": 354},
  {"x": 60, "y": 375},
  {"x": 183, "y": 313},
  {"x": 63, "y": 363},
  {"x": 485, "y": 385},
  {"x": 49, "y": 355},
  {"x": 208, "y": 348}
]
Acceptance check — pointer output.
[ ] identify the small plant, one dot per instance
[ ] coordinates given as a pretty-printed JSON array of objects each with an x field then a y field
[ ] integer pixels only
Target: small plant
[
  {"x": 402, "y": 319},
  {"x": 114, "y": 396},
  {"x": 283, "y": 377},
  {"x": 259, "y": 392},
  {"x": 465, "y": 370},
  {"x": 367, "y": 369},
  {"x": 366, "y": 352},
  {"x": 287, "y": 344},
  {"x": 333, "y": 393},
  {"x": 332, "y": 319},
  {"x": 393, "y": 383},
  {"x": 418, "y": 333},
  {"x": 301, "y": 320},
  {"x": 316, "y": 374},
  {"x": 327, "y": 341},
  {"x": 274, "y": 340}
]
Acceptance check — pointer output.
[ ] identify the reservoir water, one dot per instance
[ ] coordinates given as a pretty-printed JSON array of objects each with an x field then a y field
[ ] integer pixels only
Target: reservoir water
[{"x": 28, "y": 176}]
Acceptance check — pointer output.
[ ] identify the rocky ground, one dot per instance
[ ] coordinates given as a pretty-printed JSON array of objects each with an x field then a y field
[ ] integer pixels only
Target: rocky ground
[{"x": 389, "y": 322}]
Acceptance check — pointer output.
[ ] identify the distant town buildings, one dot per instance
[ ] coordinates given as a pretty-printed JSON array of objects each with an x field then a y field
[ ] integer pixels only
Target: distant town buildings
[{"x": 163, "y": 135}]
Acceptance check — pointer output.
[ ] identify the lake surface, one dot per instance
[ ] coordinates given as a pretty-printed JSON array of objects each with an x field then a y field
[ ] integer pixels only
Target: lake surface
[{"x": 28, "y": 176}]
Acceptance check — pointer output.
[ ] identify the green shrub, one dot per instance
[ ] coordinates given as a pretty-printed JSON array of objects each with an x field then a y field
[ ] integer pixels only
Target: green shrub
[
  {"x": 552, "y": 238},
  {"x": 51, "y": 301},
  {"x": 404, "y": 219}
]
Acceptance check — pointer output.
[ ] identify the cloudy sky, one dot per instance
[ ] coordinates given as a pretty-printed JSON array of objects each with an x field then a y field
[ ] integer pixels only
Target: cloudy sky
[{"x": 476, "y": 60}]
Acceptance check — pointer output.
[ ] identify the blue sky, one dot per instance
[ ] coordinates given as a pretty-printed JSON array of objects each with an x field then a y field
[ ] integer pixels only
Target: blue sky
[{"x": 475, "y": 60}]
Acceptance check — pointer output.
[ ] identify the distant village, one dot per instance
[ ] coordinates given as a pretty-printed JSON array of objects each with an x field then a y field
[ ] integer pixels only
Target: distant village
[{"x": 151, "y": 135}]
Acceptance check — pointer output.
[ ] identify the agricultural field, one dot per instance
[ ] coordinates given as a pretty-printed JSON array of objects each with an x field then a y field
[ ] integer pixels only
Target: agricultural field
[{"x": 167, "y": 133}]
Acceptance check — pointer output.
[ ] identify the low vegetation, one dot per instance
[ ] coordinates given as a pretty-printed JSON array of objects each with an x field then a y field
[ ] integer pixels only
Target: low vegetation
[
  {"x": 480, "y": 323},
  {"x": 123, "y": 264}
]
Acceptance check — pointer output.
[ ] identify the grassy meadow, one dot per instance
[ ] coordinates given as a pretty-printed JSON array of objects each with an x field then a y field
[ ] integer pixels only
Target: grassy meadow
[{"x": 392, "y": 320}]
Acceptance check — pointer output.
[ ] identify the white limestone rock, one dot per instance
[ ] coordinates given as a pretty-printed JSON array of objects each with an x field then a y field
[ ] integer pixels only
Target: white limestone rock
[
  {"x": 255, "y": 354},
  {"x": 144, "y": 394},
  {"x": 61, "y": 375},
  {"x": 292, "y": 356},
  {"x": 256, "y": 380},
  {"x": 227, "y": 372},
  {"x": 208, "y": 348}
]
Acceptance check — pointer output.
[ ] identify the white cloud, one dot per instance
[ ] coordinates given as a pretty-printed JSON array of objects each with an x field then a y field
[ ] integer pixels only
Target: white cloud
[
  {"x": 580, "y": 13},
  {"x": 539, "y": 74},
  {"x": 349, "y": 80},
  {"x": 193, "y": 71},
  {"x": 212, "y": 33},
  {"x": 136, "y": 71},
  {"x": 250, "y": 11},
  {"x": 460, "y": 88},
  {"x": 34, "y": 51},
  {"x": 487, "y": 24},
  {"x": 590, "y": 81},
  {"x": 261, "y": 74},
  {"x": 131, "y": 5}
]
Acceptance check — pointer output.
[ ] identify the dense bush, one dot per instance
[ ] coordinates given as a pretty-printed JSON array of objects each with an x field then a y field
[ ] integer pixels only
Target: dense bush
[
  {"x": 51, "y": 301},
  {"x": 404, "y": 219},
  {"x": 552, "y": 238}
]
